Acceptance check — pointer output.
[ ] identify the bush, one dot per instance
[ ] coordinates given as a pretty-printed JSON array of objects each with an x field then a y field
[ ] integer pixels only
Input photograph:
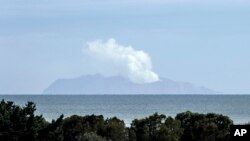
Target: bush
[
  {"x": 204, "y": 127},
  {"x": 91, "y": 137},
  {"x": 156, "y": 128},
  {"x": 21, "y": 124}
]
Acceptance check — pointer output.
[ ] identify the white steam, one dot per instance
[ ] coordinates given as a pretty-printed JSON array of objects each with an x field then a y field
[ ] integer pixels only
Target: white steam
[{"x": 130, "y": 63}]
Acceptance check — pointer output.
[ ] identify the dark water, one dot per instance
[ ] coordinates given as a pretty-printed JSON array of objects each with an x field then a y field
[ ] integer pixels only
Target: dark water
[{"x": 129, "y": 107}]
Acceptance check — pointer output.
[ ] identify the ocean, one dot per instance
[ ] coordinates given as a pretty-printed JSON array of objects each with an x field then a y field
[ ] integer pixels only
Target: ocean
[{"x": 129, "y": 107}]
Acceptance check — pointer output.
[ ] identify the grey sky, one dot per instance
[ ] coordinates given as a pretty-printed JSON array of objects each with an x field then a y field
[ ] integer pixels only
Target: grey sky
[{"x": 206, "y": 43}]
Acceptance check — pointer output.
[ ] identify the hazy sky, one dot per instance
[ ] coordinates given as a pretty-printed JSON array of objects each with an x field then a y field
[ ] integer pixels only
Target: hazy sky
[{"x": 205, "y": 42}]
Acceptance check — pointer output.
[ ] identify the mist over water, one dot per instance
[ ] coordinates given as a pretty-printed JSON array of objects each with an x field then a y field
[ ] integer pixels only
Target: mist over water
[{"x": 129, "y": 107}]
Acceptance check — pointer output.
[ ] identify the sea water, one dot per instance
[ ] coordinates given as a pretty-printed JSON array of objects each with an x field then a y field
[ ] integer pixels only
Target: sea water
[{"x": 129, "y": 107}]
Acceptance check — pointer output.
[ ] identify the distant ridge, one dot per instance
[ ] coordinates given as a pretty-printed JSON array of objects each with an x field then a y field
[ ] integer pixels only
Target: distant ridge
[{"x": 98, "y": 84}]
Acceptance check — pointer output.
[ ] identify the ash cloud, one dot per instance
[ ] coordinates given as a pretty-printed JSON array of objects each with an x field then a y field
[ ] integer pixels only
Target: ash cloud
[{"x": 130, "y": 63}]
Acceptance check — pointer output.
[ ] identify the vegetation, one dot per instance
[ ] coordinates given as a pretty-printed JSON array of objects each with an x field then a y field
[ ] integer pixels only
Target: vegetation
[{"x": 21, "y": 124}]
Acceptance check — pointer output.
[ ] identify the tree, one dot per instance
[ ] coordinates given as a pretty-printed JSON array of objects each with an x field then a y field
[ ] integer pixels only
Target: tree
[
  {"x": 156, "y": 128},
  {"x": 170, "y": 131},
  {"x": 53, "y": 131},
  {"x": 75, "y": 127},
  {"x": 140, "y": 129},
  {"x": 115, "y": 129},
  {"x": 19, "y": 123},
  {"x": 91, "y": 137},
  {"x": 204, "y": 127}
]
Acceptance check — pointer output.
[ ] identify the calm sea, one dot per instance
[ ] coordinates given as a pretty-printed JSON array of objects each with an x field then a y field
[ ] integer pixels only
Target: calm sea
[{"x": 129, "y": 107}]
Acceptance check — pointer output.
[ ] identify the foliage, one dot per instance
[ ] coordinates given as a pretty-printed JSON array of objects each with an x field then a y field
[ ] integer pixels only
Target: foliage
[
  {"x": 156, "y": 127},
  {"x": 91, "y": 137},
  {"x": 75, "y": 127},
  {"x": 204, "y": 127},
  {"x": 115, "y": 130},
  {"x": 21, "y": 124},
  {"x": 52, "y": 132}
]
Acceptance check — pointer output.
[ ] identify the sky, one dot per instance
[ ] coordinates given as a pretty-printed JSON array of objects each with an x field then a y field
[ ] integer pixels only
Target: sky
[{"x": 206, "y": 43}]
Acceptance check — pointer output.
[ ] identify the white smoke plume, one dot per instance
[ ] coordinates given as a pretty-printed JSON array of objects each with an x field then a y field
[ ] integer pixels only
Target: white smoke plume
[{"x": 130, "y": 63}]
